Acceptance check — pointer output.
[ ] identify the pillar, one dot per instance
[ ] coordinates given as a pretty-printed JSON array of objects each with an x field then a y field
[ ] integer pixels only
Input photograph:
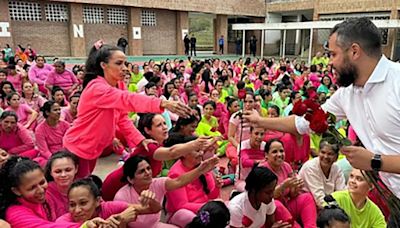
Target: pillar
[
  {"x": 390, "y": 49},
  {"x": 135, "y": 41},
  {"x": 182, "y": 27},
  {"x": 5, "y": 25},
  {"x": 221, "y": 28},
  {"x": 77, "y": 31}
]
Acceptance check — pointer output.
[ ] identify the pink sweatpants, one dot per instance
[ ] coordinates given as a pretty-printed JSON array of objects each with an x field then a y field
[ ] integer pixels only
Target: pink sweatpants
[
  {"x": 182, "y": 217},
  {"x": 303, "y": 209},
  {"x": 86, "y": 167},
  {"x": 283, "y": 214},
  {"x": 31, "y": 154},
  {"x": 231, "y": 153}
]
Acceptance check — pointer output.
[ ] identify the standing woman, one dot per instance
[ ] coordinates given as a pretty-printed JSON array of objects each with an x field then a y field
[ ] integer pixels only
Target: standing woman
[{"x": 103, "y": 107}]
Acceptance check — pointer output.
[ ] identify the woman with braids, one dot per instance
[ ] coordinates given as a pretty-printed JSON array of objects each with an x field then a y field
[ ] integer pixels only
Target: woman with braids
[
  {"x": 183, "y": 203},
  {"x": 103, "y": 107},
  {"x": 23, "y": 201}
]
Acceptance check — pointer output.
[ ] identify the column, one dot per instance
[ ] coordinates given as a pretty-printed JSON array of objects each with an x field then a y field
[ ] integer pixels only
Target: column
[
  {"x": 135, "y": 46},
  {"x": 182, "y": 27},
  {"x": 390, "y": 49},
  {"x": 5, "y": 25},
  {"x": 76, "y": 30},
  {"x": 221, "y": 28}
]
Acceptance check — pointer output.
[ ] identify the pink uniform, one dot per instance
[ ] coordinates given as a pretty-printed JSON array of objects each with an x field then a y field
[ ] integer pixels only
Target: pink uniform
[
  {"x": 22, "y": 112},
  {"x": 16, "y": 80},
  {"x": 29, "y": 215},
  {"x": 66, "y": 115},
  {"x": 49, "y": 139},
  {"x": 36, "y": 102},
  {"x": 129, "y": 195},
  {"x": 296, "y": 155},
  {"x": 301, "y": 206},
  {"x": 18, "y": 142},
  {"x": 183, "y": 203},
  {"x": 58, "y": 201},
  {"x": 39, "y": 75},
  {"x": 105, "y": 210},
  {"x": 64, "y": 80},
  {"x": 101, "y": 109}
]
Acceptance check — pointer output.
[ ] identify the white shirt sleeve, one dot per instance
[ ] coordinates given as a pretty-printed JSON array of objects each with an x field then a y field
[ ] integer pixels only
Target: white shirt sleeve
[
  {"x": 236, "y": 215},
  {"x": 302, "y": 125}
]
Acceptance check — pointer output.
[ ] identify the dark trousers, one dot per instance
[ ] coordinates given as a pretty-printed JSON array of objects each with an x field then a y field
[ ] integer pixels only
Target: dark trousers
[
  {"x": 221, "y": 49},
  {"x": 186, "y": 49},
  {"x": 193, "y": 50}
]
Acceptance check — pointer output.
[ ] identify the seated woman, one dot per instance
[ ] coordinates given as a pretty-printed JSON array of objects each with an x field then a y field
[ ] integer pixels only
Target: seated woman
[
  {"x": 251, "y": 153},
  {"x": 220, "y": 108},
  {"x": 26, "y": 115},
  {"x": 354, "y": 201},
  {"x": 186, "y": 126},
  {"x": 84, "y": 200},
  {"x": 4, "y": 156},
  {"x": 183, "y": 203},
  {"x": 138, "y": 174},
  {"x": 6, "y": 88},
  {"x": 57, "y": 95},
  {"x": 14, "y": 138},
  {"x": 60, "y": 173},
  {"x": 69, "y": 113},
  {"x": 39, "y": 72},
  {"x": 29, "y": 97},
  {"x": 152, "y": 127},
  {"x": 235, "y": 128},
  {"x": 212, "y": 214},
  {"x": 62, "y": 78},
  {"x": 49, "y": 134},
  {"x": 23, "y": 196},
  {"x": 321, "y": 175},
  {"x": 297, "y": 149},
  {"x": 208, "y": 125},
  {"x": 301, "y": 205},
  {"x": 16, "y": 78},
  {"x": 256, "y": 206},
  {"x": 233, "y": 107}
]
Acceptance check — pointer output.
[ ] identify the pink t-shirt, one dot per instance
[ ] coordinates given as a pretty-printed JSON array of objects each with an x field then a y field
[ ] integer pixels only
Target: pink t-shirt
[
  {"x": 39, "y": 75},
  {"x": 66, "y": 115},
  {"x": 17, "y": 141},
  {"x": 64, "y": 80},
  {"x": 249, "y": 156},
  {"x": 296, "y": 154},
  {"x": 58, "y": 201},
  {"x": 49, "y": 139},
  {"x": 22, "y": 112},
  {"x": 16, "y": 80},
  {"x": 36, "y": 102},
  {"x": 283, "y": 173},
  {"x": 101, "y": 109},
  {"x": 191, "y": 196},
  {"x": 105, "y": 211},
  {"x": 315, "y": 79},
  {"x": 129, "y": 195}
]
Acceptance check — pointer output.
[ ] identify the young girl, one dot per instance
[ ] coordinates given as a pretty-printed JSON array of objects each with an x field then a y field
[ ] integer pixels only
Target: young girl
[
  {"x": 60, "y": 172},
  {"x": 23, "y": 200},
  {"x": 49, "y": 133},
  {"x": 26, "y": 115},
  {"x": 138, "y": 174},
  {"x": 104, "y": 107}
]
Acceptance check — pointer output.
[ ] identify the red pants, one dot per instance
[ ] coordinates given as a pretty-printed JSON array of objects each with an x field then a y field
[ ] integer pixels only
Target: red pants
[{"x": 86, "y": 167}]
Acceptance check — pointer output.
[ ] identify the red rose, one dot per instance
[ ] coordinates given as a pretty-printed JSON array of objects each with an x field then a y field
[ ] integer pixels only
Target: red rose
[
  {"x": 246, "y": 221},
  {"x": 319, "y": 121},
  {"x": 312, "y": 94},
  {"x": 312, "y": 104},
  {"x": 299, "y": 108},
  {"x": 241, "y": 94}
]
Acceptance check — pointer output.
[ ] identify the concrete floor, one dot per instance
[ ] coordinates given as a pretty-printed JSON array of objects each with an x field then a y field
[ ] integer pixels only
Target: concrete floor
[{"x": 107, "y": 164}]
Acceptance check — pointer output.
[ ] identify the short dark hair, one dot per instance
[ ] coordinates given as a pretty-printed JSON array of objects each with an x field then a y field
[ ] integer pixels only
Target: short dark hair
[
  {"x": 258, "y": 178},
  {"x": 361, "y": 31}
]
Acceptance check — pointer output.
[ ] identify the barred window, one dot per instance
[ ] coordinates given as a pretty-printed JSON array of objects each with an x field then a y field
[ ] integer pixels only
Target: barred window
[
  {"x": 148, "y": 18},
  {"x": 24, "y": 11},
  {"x": 117, "y": 16},
  {"x": 56, "y": 12},
  {"x": 93, "y": 15}
]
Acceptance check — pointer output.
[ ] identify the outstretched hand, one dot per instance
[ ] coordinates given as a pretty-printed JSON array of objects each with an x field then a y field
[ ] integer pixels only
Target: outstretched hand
[
  {"x": 252, "y": 116},
  {"x": 177, "y": 107},
  {"x": 359, "y": 157},
  {"x": 208, "y": 165}
]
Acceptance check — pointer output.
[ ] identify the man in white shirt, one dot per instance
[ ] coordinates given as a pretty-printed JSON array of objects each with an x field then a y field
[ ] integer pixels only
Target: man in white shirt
[{"x": 369, "y": 99}]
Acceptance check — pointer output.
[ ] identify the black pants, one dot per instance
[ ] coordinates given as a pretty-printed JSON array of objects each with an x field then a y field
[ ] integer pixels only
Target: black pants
[
  {"x": 187, "y": 50},
  {"x": 221, "y": 49},
  {"x": 193, "y": 50}
]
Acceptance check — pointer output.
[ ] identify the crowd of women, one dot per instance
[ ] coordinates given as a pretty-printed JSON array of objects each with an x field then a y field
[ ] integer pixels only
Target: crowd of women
[{"x": 169, "y": 122}]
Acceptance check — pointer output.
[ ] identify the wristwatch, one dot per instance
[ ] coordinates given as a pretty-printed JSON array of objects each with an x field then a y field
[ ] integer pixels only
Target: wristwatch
[{"x": 376, "y": 162}]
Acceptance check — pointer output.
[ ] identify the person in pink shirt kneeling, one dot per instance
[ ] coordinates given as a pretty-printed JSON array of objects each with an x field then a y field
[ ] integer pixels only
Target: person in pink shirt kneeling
[
  {"x": 14, "y": 138},
  {"x": 289, "y": 189},
  {"x": 103, "y": 107},
  {"x": 183, "y": 203},
  {"x": 49, "y": 134},
  {"x": 137, "y": 172}
]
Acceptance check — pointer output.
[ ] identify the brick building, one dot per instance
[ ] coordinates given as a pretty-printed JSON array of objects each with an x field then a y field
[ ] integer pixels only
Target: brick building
[{"x": 70, "y": 27}]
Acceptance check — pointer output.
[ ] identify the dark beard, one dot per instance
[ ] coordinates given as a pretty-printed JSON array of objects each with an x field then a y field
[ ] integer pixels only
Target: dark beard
[{"x": 346, "y": 75}]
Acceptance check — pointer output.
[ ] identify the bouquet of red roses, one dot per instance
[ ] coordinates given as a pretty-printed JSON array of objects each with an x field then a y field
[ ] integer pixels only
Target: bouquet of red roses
[{"x": 320, "y": 121}]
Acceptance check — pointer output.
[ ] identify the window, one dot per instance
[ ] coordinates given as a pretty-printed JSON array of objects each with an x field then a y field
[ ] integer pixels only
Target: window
[
  {"x": 24, "y": 11},
  {"x": 148, "y": 18},
  {"x": 93, "y": 15},
  {"x": 117, "y": 16},
  {"x": 56, "y": 12}
]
